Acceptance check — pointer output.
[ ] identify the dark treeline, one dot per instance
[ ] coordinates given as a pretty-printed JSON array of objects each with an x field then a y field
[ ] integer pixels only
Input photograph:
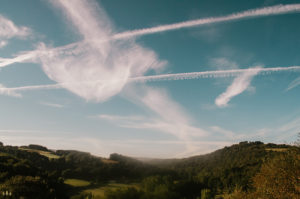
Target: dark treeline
[{"x": 244, "y": 170}]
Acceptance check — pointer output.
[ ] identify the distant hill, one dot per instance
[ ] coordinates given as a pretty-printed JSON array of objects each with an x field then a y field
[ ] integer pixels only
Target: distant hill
[
  {"x": 35, "y": 169},
  {"x": 226, "y": 167}
]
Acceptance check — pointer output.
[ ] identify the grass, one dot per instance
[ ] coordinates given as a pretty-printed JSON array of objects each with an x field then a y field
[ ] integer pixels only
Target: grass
[
  {"x": 99, "y": 192},
  {"x": 108, "y": 161},
  {"x": 47, "y": 154},
  {"x": 77, "y": 182},
  {"x": 4, "y": 154},
  {"x": 277, "y": 149}
]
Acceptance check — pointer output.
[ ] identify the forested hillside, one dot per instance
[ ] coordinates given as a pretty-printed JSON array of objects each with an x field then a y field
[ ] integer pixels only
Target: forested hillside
[{"x": 244, "y": 170}]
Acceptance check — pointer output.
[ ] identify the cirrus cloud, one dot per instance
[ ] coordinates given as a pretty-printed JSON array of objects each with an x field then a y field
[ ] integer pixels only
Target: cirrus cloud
[
  {"x": 99, "y": 69},
  {"x": 239, "y": 85},
  {"x": 9, "y": 30}
]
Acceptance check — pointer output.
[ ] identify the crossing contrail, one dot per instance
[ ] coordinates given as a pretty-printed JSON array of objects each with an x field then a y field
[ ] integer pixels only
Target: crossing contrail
[
  {"x": 211, "y": 74},
  {"x": 259, "y": 12},
  {"x": 164, "y": 77}
]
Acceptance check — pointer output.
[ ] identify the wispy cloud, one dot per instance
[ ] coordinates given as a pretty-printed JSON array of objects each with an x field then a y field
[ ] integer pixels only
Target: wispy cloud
[
  {"x": 239, "y": 85},
  {"x": 8, "y": 92},
  {"x": 121, "y": 119},
  {"x": 294, "y": 84},
  {"x": 292, "y": 125},
  {"x": 222, "y": 63},
  {"x": 9, "y": 30},
  {"x": 167, "y": 115},
  {"x": 52, "y": 104},
  {"x": 114, "y": 63},
  {"x": 153, "y": 123},
  {"x": 3, "y": 43},
  {"x": 174, "y": 127},
  {"x": 78, "y": 68},
  {"x": 111, "y": 62},
  {"x": 110, "y": 65},
  {"x": 279, "y": 132},
  {"x": 228, "y": 134}
]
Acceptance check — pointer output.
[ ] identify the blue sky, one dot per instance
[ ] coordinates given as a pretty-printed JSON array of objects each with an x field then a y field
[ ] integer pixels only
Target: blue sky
[{"x": 149, "y": 78}]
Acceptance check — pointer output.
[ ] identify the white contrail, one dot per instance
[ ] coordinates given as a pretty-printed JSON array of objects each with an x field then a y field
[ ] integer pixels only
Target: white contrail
[
  {"x": 266, "y": 11},
  {"x": 19, "y": 59},
  {"x": 259, "y": 12},
  {"x": 35, "y": 87},
  {"x": 294, "y": 84},
  {"x": 166, "y": 77},
  {"x": 210, "y": 74}
]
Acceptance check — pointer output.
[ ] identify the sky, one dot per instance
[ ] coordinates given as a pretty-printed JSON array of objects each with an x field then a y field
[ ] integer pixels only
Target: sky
[{"x": 153, "y": 78}]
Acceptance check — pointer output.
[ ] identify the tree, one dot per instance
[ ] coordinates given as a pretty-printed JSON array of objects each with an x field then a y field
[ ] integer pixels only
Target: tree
[
  {"x": 279, "y": 177},
  {"x": 37, "y": 147},
  {"x": 26, "y": 187},
  {"x": 297, "y": 143},
  {"x": 236, "y": 194},
  {"x": 126, "y": 193}
]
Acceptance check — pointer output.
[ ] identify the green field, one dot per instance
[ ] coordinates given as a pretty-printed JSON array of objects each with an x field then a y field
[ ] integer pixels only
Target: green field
[
  {"x": 277, "y": 149},
  {"x": 99, "y": 192},
  {"x": 77, "y": 182},
  {"x": 47, "y": 154},
  {"x": 4, "y": 154}
]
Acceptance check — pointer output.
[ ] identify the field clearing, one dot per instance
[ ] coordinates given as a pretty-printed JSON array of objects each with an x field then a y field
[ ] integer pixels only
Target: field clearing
[
  {"x": 277, "y": 149},
  {"x": 108, "y": 161},
  {"x": 77, "y": 182},
  {"x": 43, "y": 153},
  {"x": 100, "y": 191},
  {"x": 4, "y": 154}
]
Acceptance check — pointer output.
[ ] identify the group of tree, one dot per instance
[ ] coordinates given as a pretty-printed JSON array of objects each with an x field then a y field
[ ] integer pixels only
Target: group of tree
[{"x": 245, "y": 170}]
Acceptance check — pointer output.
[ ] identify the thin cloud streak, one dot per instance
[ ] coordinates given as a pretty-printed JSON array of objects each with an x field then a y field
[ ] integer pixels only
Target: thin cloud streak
[
  {"x": 260, "y": 12},
  {"x": 169, "y": 117},
  {"x": 238, "y": 86},
  {"x": 278, "y": 133},
  {"x": 52, "y": 104},
  {"x": 294, "y": 84},
  {"x": 8, "y": 91},
  {"x": 23, "y": 57},
  {"x": 166, "y": 77},
  {"x": 212, "y": 74}
]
